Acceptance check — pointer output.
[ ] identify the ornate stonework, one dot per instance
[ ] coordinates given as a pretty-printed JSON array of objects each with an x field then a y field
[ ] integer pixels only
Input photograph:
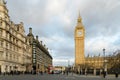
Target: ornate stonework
[
  {"x": 79, "y": 43},
  {"x": 15, "y": 52}
]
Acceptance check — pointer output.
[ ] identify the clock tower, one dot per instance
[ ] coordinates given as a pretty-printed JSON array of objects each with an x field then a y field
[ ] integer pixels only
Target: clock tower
[{"x": 79, "y": 36}]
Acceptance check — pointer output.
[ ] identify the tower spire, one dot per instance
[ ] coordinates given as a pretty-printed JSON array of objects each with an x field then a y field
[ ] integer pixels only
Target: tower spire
[
  {"x": 79, "y": 18},
  {"x": 79, "y": 14}
]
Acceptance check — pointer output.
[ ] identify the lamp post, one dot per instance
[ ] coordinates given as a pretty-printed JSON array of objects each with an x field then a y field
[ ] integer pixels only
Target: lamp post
[
  {"x": 104, "y": 58},
  {"x": 68, "y": 63},
  {"x": 104, "y": 63}
]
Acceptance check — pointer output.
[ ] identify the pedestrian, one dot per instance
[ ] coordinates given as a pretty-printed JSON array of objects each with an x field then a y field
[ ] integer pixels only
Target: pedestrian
[
  {"x": 67, "y": 72},
  {"x": 52, "y": 72},
  {"x": 104, "y": 74},
  {"x": 86, "y": 73},
  {"x": 41, "y": 72},
  {"x": 63, "y": 72},
  {"x": 116, "y": 74}
]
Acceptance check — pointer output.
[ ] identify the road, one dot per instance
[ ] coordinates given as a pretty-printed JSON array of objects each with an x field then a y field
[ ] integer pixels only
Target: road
[{"x": 55, "y": 77}]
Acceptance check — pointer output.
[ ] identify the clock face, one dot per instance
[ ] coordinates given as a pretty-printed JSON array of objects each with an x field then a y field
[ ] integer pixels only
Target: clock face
[{"x": 79, "y": 33}]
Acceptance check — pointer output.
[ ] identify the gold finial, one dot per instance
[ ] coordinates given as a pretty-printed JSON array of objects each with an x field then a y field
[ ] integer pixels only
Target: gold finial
[
  {"x": 79, "y": 14},
  {"x": 79, "y": 17}
]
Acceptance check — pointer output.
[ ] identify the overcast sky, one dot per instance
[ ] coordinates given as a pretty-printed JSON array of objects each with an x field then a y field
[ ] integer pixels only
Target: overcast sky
[{"x": 54, "y": 22}]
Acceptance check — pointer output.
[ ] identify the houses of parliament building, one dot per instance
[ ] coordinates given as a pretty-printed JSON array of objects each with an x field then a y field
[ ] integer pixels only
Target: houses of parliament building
[
  {"x": 84, "y": 64},
  {"x": 94, "y": 65}
]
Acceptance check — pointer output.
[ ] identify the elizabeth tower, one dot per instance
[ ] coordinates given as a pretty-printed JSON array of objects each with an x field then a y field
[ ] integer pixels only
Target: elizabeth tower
[{"x": 79, "y": 36}]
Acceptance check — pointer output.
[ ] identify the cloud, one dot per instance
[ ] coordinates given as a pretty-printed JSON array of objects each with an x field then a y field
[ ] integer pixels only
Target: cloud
[
  {"x": 57, "y": 44},
  {"x": 63, "y": 62},
  {"x": 54, "y": 22},
  {"x": 96, "y": 45},
  {"x": 32, "y": 12}
]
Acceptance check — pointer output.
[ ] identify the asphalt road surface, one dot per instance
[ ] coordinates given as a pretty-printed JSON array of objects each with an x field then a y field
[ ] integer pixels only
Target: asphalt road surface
[{"x": 56, "y": 77}]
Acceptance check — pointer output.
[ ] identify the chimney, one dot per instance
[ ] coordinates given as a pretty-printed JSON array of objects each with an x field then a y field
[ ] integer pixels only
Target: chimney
[
  {"x": 41, "y": 42},
  {"x": 21, "y": 23},
  {"x": 30, "y": 30},
  {"x": 36, "y": 37},
  {"x": 44, "y": 45}
]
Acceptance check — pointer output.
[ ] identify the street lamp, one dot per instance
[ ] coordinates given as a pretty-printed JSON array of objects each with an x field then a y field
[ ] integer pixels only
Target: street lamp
[
  {"x": 68, "y": 63},
  {"x": 104, "y": 63},
  {"x": 104, "y": 58}
]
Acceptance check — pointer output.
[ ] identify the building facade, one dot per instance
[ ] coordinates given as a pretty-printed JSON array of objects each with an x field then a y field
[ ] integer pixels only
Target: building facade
[
  {"x": 85, "y": 64},
  {"x": 94, "y": 65},
  {"x": 79, "y": 43},
  {"x": 15, "y": 52},
  {"x": 59, "y": 68},
  {"x": 41, "y": 58}
]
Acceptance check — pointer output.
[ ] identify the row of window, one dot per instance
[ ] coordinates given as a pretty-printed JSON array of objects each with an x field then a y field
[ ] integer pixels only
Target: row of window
[
  {"x": 95, "y": 61},
  {"x": 9, "y": 46},
  {"x": 8, "y": 68},
  {"x": 13, "y": 39},
  {"x": 40, "y": 56},
  {"x": 13, "y": 28},
  {"x": 10, "y": 56}
]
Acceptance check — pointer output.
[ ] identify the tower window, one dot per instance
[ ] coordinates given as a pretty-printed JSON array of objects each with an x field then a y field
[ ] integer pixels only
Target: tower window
[
  {"x": 6, "y": 55},
  {"x": 1, "y": 43},
  {"x": 0, "y": 23},
  {"x": 0, "y": 32},
  {"x": 17, "y": 28}
]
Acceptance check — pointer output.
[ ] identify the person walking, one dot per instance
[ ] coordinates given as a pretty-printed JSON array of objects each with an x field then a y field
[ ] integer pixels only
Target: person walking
[
  {"x": 116, "y": 74},
  {"x": 104, "y": 74}
]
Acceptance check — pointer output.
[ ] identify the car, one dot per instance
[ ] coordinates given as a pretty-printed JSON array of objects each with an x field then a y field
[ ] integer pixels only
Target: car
[{"x": 57, "y": 72}]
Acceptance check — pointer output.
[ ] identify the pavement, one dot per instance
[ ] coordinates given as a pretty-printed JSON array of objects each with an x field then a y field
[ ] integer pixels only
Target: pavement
[
  {"x": 57, "y": 77},
  {"x": 108, "y": 77}
]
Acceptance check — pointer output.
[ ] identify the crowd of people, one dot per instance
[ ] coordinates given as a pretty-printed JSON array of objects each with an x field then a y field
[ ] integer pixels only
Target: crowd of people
[{"x": 41, "y": 73}]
